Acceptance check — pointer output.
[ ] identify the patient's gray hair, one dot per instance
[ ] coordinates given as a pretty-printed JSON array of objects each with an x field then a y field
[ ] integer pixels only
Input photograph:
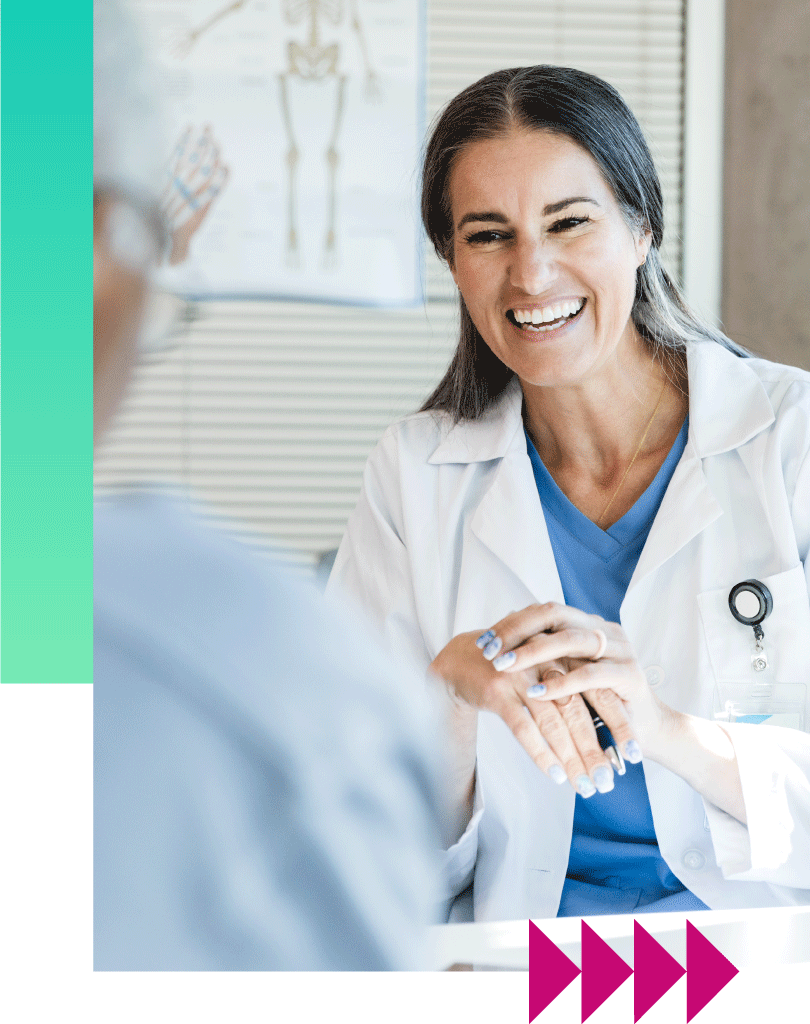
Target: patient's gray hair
[{"x": 128, "y": 134}]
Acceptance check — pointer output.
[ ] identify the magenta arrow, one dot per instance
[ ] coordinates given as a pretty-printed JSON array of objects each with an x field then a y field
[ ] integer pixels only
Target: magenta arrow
[
  {"x": 707, "y": 971},
  {"x": 550, "y": 971},
  {"x": 602, "y": 971},
  {"x": 656, "y": 971}
]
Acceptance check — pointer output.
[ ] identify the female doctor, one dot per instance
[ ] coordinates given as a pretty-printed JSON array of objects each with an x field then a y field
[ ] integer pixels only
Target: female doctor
[{"x": 563, "y": 523}]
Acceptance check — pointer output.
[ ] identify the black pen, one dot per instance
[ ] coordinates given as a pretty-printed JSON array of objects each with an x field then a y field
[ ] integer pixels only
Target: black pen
[{"x": 614, "y": 755}]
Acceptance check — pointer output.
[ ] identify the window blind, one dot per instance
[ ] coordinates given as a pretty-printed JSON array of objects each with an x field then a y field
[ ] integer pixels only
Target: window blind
[{"x": 267, "y": 411}]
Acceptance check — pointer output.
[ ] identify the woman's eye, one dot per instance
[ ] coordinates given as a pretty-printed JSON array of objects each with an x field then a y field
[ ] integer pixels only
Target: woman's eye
[
  {"x": 567, "y": 223},
  {"x": 483, "y": 237}
]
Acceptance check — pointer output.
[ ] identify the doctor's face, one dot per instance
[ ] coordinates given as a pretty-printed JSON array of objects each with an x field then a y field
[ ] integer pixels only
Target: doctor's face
[{"x": 543, "y": 257}]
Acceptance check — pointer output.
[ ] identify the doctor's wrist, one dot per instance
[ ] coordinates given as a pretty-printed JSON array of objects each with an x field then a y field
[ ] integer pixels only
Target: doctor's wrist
[{"x": 660, "y": 730}]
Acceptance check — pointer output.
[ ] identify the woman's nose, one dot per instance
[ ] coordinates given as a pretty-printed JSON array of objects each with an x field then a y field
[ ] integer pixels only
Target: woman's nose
[{"x": 533, "y": 267}]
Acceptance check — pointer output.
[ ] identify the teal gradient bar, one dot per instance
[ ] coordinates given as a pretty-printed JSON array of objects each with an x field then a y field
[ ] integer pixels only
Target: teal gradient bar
[{"x": 47, "y": 533}]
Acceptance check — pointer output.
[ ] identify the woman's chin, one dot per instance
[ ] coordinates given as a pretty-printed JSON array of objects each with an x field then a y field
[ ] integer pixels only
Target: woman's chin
[{"x": 548, "y": 369}]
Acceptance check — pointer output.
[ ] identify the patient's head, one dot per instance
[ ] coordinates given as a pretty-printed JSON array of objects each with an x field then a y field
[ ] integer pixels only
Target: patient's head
[{"x": 127, "y": 228}]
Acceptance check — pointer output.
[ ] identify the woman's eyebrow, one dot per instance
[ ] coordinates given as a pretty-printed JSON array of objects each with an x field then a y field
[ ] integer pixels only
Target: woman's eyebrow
[
  {"x": 471, "y": 217},
  {"x": 561, "y": 205}
]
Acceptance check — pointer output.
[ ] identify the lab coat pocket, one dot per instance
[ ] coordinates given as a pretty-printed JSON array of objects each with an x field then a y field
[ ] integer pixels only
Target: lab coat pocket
[{"x": 779, "y": 692}]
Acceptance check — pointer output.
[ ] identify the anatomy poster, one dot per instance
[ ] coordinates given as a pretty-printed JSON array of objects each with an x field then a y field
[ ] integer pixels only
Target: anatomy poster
[{"x": 295, "y": 127}]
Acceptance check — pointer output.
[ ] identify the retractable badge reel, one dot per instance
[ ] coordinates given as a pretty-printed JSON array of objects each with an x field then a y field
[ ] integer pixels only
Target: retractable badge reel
[{"x": 751, "y": 603}]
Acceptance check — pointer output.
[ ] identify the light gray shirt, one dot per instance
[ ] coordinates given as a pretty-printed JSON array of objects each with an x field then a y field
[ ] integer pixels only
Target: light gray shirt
[{"x": 264, "y": 793}]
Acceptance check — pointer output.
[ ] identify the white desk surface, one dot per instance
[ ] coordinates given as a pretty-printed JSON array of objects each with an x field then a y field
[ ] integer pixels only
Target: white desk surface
[{"x": 778, "y": 935}]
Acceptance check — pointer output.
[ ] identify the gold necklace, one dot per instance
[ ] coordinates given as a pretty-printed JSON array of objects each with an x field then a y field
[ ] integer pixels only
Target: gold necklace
[{"x": 632, "y": 461}]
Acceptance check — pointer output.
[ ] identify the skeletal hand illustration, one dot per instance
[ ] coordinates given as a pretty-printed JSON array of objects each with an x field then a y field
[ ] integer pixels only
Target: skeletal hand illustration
[{"x": 194, "y": 179}]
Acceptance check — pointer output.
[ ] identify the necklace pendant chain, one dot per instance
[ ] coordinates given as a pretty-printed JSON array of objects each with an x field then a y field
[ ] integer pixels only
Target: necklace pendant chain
[{"x": 635, "y": 456}]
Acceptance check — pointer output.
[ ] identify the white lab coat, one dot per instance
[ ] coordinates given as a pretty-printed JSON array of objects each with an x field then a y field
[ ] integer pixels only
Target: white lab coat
[{"x": 449, "y": 536}]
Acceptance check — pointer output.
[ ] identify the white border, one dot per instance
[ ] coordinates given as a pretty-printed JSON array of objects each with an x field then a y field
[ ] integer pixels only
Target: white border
[{"x": 704, "y": 60}]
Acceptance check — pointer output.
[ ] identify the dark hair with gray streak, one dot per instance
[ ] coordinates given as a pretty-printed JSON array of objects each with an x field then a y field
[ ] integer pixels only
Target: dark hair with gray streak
[{"x": 592, "y": 114}]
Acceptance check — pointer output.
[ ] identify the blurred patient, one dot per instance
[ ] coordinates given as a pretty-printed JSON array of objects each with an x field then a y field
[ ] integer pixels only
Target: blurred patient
[{"x": 263, "y": 795}]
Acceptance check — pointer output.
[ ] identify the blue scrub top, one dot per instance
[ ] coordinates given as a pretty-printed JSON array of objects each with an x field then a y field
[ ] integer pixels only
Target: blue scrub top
[{"x": 614, "y": 866}]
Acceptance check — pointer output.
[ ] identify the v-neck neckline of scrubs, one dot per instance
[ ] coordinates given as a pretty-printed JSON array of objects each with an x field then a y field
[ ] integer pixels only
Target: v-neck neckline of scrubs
[{"x": 637, "y": 519}]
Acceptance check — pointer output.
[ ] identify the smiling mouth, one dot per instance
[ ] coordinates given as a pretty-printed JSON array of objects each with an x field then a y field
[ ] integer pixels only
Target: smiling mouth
[{"x": 549, "y": 318}]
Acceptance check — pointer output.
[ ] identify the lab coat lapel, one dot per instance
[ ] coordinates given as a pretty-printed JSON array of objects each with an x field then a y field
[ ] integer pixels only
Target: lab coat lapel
[
  {"x": 727, "y": 407},
  {"x": 508, "y": 519},
  {"x": 689, "y": 506},
  {"x": 510, "y": 522}
]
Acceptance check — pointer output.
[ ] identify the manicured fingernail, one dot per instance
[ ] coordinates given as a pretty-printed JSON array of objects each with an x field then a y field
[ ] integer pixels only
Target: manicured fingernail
[
  {"x": 537, "y": 690},
  {"x": 632, "y": 751},
  {"x": 504, "y": 661},
  {"x": 492, "y": 648},
  {"x": 556, "y": 774},
  {"x": 603, "y": 778},
  {"x": 616, "y": 760},
  {"x": 584, "y": 786},
  {"x": 484, "y": 639}
]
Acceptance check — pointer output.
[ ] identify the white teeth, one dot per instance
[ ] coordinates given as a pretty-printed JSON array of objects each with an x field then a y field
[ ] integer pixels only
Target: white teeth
[{"x": 548, "y": 314}]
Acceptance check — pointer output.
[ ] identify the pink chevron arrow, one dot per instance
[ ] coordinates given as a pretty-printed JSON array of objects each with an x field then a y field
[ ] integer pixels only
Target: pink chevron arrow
[
  {"x": 602, "y": 971},
  {"x": 656, "y": 971},
  {"x": 550, "y": 971},
  {"x": 707, "y": 971}
]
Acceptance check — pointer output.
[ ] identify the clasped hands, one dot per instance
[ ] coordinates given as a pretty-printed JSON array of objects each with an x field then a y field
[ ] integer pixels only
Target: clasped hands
[{"x": 533, "y": 669}]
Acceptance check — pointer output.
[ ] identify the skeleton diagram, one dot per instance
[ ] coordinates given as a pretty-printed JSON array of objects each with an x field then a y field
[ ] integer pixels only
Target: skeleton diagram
[{"x": 311, "y": 60}]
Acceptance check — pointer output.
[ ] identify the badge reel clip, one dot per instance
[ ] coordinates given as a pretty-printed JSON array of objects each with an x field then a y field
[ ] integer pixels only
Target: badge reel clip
[{"x": 751, "y": 603}]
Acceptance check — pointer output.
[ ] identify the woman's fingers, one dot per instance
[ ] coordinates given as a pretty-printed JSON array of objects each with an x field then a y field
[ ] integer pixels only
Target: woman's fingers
[
  {"x": 622, "y": 676},
  {"x": 571, "y": 642},
  {"x": 524, "y": 728},
  {"x": 611, "y": 709},
  {"x": 517, "y": 627},
  {"x": 542, "y": 632},
  {"x": 560, "y": 740},
  {"x": 579, "y": 725}
]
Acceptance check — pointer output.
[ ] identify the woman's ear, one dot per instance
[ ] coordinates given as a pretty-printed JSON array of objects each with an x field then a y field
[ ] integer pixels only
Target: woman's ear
[{"x": 643, "y": 243}]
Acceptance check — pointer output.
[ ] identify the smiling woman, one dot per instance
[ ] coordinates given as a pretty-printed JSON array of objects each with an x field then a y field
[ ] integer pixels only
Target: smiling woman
[
  {"x": 547, "y": 258},
  {"x": 601, "y": 460}
]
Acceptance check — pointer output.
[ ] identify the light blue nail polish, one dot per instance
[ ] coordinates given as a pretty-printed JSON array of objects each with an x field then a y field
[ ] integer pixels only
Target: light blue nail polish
[
  {"x": 504, "y": 661},
  {"x": 538, "y": 690},
  {"x": 492, "y": 648},
  {"x": 584, "y": 786},
  {"x": 556, "y": 774},
  {"x": 632, "y": 751},
  {"x": 484, "y": 639},
  {"x": 603, "y": 778}
]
